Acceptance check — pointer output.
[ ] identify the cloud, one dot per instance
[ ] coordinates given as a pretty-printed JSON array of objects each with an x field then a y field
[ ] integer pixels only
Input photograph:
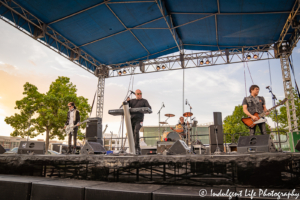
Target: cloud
[
  {"x": 298, "y": 50},
  {"x": 33, "y": 63},
  {"x": 8, "y": 67}
]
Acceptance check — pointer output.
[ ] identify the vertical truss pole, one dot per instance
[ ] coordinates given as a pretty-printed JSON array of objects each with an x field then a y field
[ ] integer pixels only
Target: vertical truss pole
[
  {"x": 288, "y": 91},
  {"x": 100, "y": 96}
]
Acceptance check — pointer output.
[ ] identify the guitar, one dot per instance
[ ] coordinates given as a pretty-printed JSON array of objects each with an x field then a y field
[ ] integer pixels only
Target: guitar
[
  {"x": 69, "y": 128},
  {"x": 248, "y": 121}
]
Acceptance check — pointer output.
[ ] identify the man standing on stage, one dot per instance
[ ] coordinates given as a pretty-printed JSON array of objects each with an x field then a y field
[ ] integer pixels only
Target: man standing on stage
[
  {"x": 253, "y": 104},
  {"x": 73, "y": 118},
  {"x": 137, "y": 118}
]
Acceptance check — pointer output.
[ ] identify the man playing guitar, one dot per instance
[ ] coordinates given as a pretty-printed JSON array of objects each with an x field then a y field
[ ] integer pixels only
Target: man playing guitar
[
  {"x": 181, "y": 127},
  {"x": 255, "y": 104}
]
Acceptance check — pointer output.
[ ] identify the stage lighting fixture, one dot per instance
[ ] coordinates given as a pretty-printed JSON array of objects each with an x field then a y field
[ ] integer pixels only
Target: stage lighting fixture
[
  {"x": 248, "y": 57},
  {"x": 201, "y": 62},
  {"x": 158, "y": 67},
  {"x": 163, "y": 67},
  {"x": 120, "y": 73},
  {"x": 255, "y": 56},
  {"x": 207, "y": 62},
  {"x": 124, "y": 72}
]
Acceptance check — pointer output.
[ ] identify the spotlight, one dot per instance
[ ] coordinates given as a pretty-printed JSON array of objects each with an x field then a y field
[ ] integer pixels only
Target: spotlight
[
  {"x": 201, "y": 62},
  {"x": 248, "y": 57},
  {"x": 255, "y": 56},
  {"x": 158, "y": 67},
  {"x": 207, "y": 62},
  {"x": 120, "y": 73},
  {"x": 163, "y": 67},
  {"x": 124, "y": 72}
]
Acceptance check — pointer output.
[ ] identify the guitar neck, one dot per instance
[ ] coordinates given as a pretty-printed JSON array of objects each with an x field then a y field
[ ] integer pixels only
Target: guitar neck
[{"x": 263, "y": 114}]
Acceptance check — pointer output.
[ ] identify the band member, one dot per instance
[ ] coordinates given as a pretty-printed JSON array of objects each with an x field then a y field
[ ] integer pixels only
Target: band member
[
  {"x": 137, "y": 118},
  {"x": 181, "y": 127},
  {"x": 73, "y": 118},
  {"x": 253, "y": 104}
]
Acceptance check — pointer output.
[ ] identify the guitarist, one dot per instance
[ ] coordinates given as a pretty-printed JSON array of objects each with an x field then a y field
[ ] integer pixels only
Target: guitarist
[
  {"x": 253, "y": 104},
  {"x": 73, "y": 118}
]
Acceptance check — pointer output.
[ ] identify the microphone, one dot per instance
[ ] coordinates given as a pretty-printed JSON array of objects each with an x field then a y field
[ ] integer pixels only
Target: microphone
[
  {"x": 132, "y": 92},
  {"x": 163, "y": 104},
  {"x": 267, "y": 87},
  {"x": 186, "y": 102}
]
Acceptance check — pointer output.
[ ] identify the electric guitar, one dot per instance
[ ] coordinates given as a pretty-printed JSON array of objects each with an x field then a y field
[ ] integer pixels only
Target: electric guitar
[
  {"x": 69, "y": 128},
  {"x": 248, "y": 121}
]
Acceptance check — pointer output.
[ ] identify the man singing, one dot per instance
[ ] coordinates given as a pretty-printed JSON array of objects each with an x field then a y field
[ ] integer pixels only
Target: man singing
[
  {"x": 137, "y": 118},
  {"x": 253, "y": 104},
  {"x": 73, "y": 118}
]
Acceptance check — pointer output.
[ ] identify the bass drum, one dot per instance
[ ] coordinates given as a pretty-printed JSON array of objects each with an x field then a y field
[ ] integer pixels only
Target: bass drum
[{"x": 173, "y": 136}]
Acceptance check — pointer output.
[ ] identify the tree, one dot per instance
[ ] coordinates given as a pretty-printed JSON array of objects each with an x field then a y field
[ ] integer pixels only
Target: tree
[
  {"x": 282, "y": 114},
  {"x": 48, "y": 111},
  {"x": 234, "y": 125}
]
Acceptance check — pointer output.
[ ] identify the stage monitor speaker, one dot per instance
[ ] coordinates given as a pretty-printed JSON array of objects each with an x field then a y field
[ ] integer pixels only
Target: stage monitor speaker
[
  {"x": 31, "y": 147},
  {"x": 94, "y": 130},
  {"x": 297, "y": 147},
  {"x": 163, "y": 146},
  {"x": 92, "y": 148},
  {"x": 212, "y": 137},
  {"x": 256, "y": 143},
  {"x": 218, "y": 118},
  {"x": 2, "y": 150},
  {"x": 179, "y": 147}
]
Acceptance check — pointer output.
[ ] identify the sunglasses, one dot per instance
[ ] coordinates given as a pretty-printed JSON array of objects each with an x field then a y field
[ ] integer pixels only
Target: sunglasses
[
  {"x": 138, "y": 93},
  {"x": 69, "y": 106}
]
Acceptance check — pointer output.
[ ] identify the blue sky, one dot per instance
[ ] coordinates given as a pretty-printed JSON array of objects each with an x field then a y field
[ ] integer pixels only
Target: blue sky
[{"x": 209, "y": 89}]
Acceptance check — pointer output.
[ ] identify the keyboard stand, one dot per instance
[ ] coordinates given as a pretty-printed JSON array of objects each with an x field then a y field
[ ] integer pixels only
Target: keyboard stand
[{"x": 127, "y": 118}]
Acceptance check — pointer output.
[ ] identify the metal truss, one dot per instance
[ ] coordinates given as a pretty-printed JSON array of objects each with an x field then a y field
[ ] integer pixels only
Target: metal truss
[
  {"x": 194, "y": 60},
  {"x": 26, "y": 22},
  {"x": 100, "y": 96}
]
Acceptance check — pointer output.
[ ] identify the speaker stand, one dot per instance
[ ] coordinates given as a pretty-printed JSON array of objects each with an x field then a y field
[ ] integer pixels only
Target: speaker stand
[{"x": 217, "y": 151}]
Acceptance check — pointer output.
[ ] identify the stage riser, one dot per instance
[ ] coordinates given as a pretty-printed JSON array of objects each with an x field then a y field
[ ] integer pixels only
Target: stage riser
[{"x": 263, "y": 170}]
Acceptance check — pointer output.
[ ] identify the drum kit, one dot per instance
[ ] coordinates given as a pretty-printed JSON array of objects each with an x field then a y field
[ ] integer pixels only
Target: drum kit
[{"x": 178, "y": 132}]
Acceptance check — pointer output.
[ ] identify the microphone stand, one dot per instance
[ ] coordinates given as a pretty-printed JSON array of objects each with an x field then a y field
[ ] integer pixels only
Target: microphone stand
[
  {"x": 276, "y": 123},
  {"x": 217, "y": 151},
  {"x": 159, "y": 118},
  {"x": 189, "y": 137}
]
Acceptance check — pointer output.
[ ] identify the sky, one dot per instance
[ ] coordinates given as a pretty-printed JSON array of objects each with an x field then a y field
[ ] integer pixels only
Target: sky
[{"x": 210, "y": 89}]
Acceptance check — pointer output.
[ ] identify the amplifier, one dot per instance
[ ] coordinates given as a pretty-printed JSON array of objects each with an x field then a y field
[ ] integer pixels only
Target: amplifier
[
  {"x": 92, "y": 148},
  {"x": 94, "y": 130},
  {"x": 31, "y": 147},
  {"x": 256, "y": 143},
  {"x": 148, "y": 150},
  {"x": 162, "y": 146}
]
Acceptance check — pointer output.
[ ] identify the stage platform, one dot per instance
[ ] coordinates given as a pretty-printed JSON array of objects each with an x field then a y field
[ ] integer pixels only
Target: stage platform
[{"x": 278, "y": 170}]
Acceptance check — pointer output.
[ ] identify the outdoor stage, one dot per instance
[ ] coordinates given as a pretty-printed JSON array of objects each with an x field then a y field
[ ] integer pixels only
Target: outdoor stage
[{"x": 277, "y": 170}]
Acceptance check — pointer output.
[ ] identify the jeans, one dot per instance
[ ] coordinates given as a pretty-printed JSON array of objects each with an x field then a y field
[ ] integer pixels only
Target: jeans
[
  {"x": 74, "y": 134},
  {"x": 262, "y": 128},
  {"x": 136, "y": 126}
]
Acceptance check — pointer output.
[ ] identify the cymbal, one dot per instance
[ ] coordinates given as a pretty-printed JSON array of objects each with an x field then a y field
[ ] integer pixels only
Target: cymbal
[
  {"x": 188, "y": 114},
  {"x": 163, "y": 122},
  {"x": 169, "y": 115}
]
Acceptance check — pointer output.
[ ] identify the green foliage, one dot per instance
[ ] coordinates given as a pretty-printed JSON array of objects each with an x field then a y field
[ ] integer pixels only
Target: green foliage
[
  {"x": 282, "y": 114},
  {"x": 233, "y": 124},
  {"x": 48, "y": 111}
]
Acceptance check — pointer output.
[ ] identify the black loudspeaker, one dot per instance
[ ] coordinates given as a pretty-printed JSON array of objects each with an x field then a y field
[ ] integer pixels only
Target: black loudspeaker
[
  {"x": 31, "y": 147},
  {"x": 163, "y": 146},
  {"x": 218, "y": 118},
  {"x": 297, "y": 147},
  {"x": 179, "y": 147},
  {"x": 256, "y": 143},
  {"x": 92, "y": 148},
  {"x": 212, "y": 137},
  {"x": 2, "y": 150},
  {"x": 94, "y": 130}
]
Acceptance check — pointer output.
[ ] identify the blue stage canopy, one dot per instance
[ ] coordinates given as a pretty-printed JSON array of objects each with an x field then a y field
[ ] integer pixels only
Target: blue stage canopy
[{"x": 119, "y": 30}]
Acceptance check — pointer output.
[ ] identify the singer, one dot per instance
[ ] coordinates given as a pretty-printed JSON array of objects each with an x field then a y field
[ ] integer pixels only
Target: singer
[
  {"x": 253, "y": 104},
  {"x": 137, "y": 118}
]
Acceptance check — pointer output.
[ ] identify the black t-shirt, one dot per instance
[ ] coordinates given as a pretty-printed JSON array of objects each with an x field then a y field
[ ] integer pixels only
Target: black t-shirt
[{"x": 138, "y": 103}]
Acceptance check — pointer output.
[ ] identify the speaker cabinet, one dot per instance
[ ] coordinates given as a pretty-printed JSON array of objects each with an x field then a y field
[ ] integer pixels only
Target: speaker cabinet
[
  {"x": 92, "y": 148},
  {"x": 94, "y": 130},
  {"x": 213, "y": 129},
  {"x": 31, "y": 147},
  {"x": 218, "y": 118},
  {"x": 162, "y": 146},
  {"x": 179, "y": 147},
  {"x": 2, "y": 150},
  {"x": 256, "y": 143}
]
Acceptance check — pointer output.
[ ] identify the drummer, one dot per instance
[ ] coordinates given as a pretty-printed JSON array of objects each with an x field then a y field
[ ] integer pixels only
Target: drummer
[{"x": 181, "y": 127}]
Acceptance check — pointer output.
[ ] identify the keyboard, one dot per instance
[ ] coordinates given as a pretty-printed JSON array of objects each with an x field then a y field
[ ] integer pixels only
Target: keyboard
[{"x": 117, "y": 112}]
